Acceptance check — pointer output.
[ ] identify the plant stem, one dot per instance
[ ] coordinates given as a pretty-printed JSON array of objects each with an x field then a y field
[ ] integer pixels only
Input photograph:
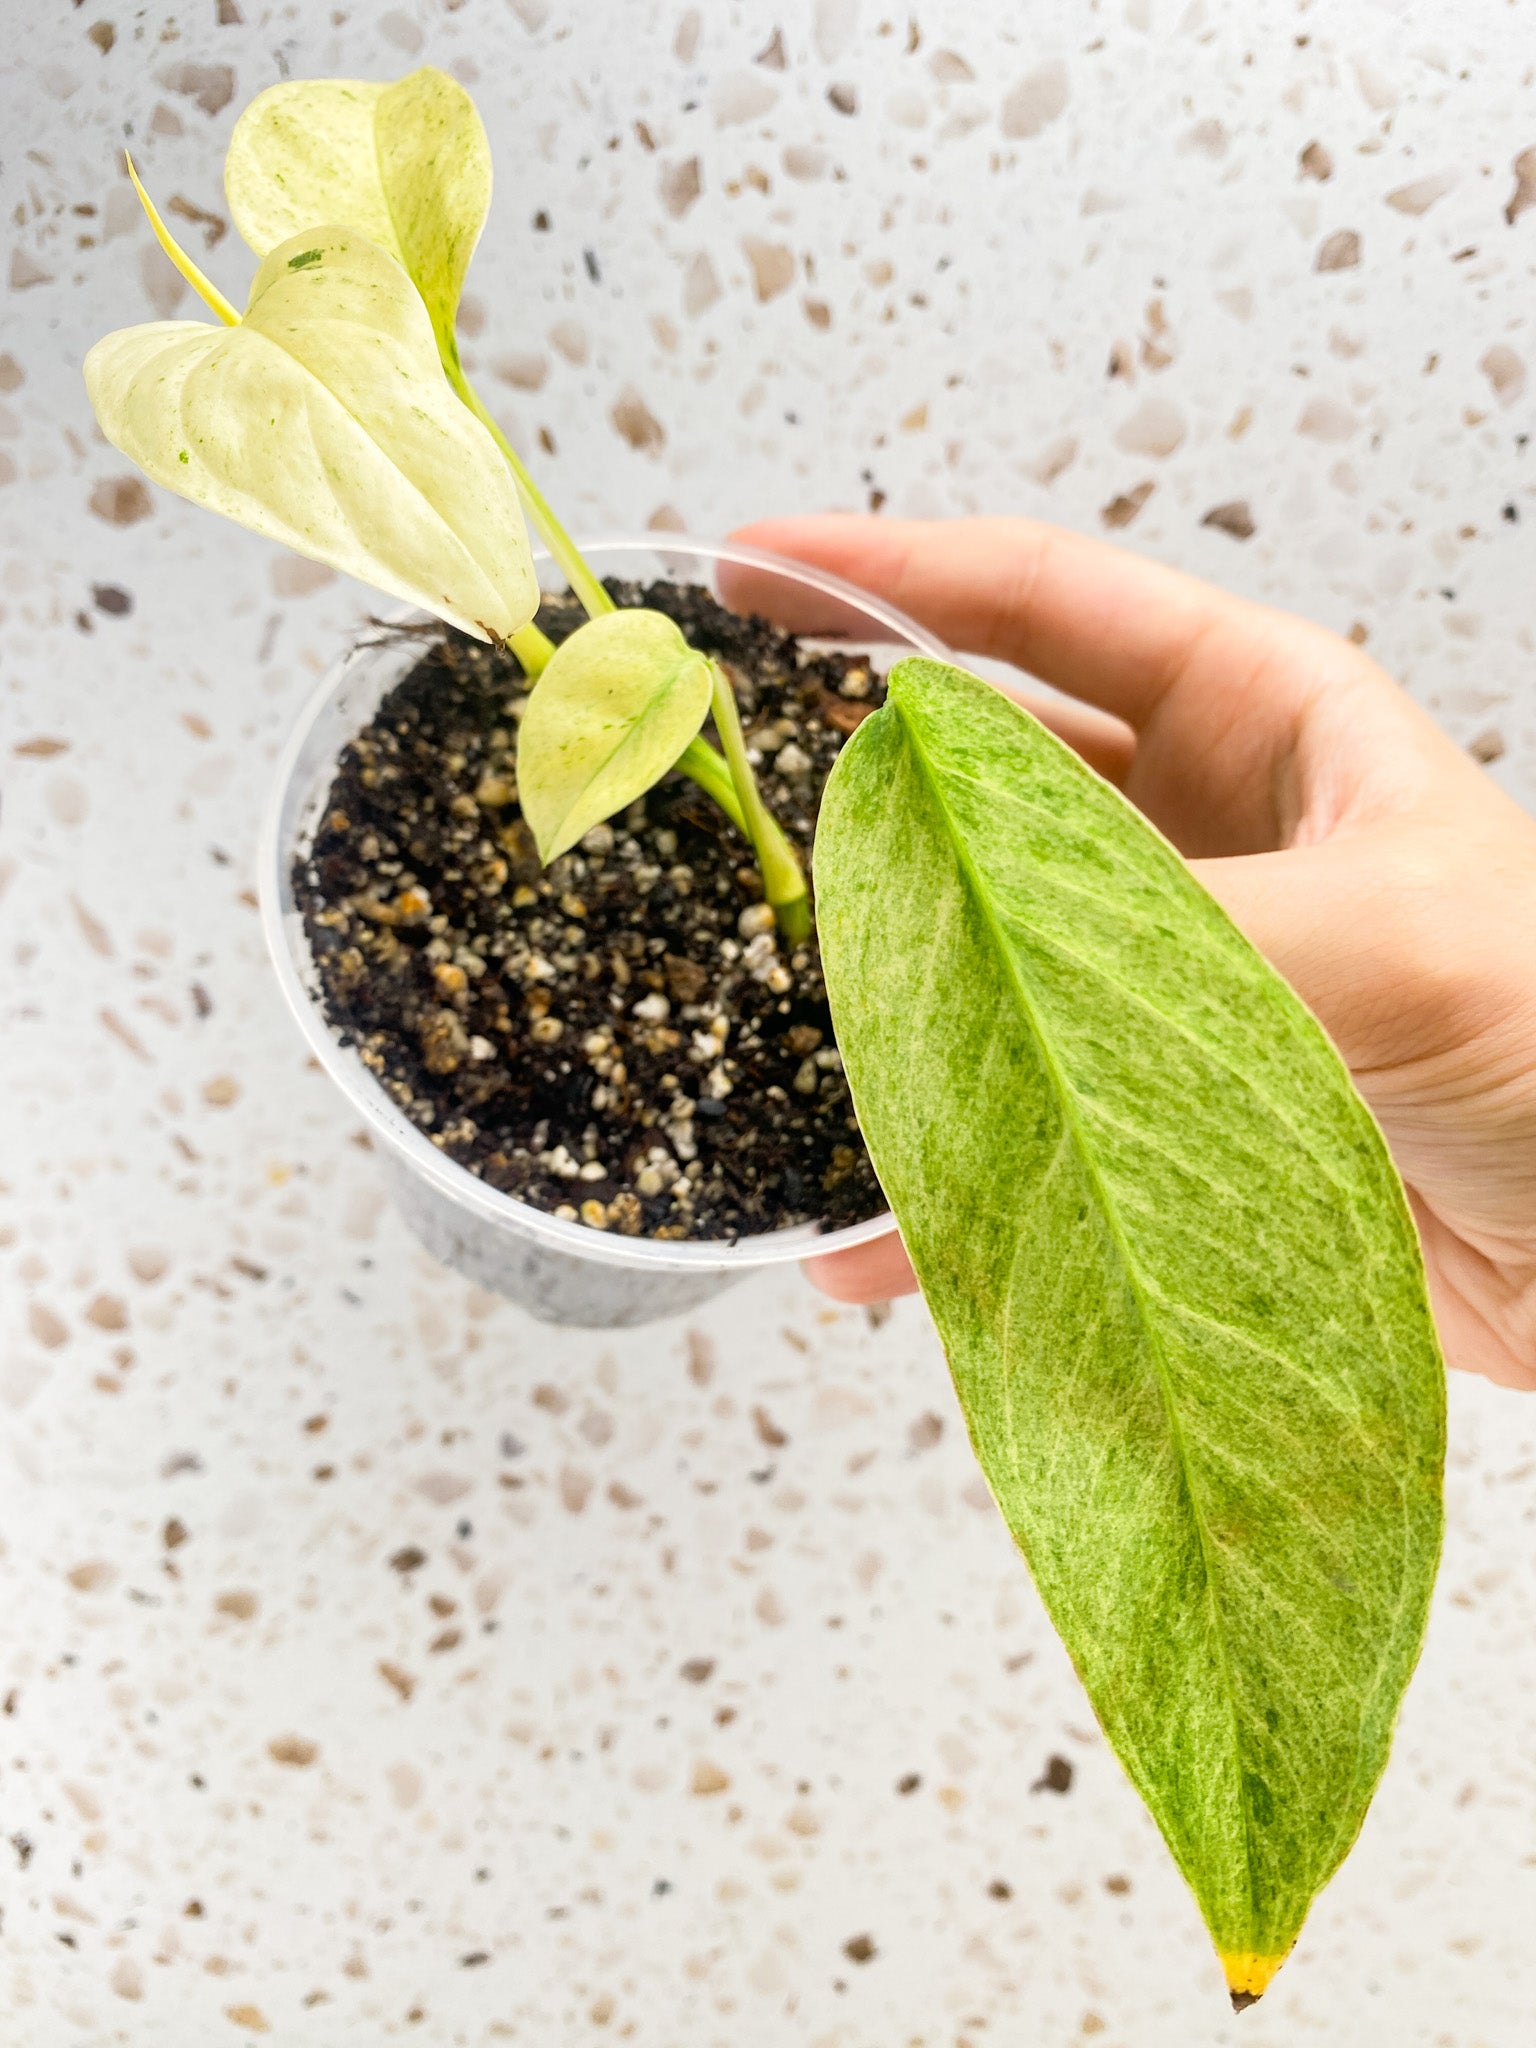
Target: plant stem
[
  {"x": 532, "y": 649},
  {"x": 584, "y": 585},
  {"x": 728, "y": 781},
  {"x": 783, "y": 876},
  {"x": 700, "y": 762}
]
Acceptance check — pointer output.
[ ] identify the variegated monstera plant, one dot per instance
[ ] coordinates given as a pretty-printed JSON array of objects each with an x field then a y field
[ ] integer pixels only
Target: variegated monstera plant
[{"x": 1159, "y": 1233}]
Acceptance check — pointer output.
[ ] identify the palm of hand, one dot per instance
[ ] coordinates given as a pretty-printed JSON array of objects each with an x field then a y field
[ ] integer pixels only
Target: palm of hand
[
  {"x": 1386, "y": 883},
  {"x": 1378, "y": 869}
]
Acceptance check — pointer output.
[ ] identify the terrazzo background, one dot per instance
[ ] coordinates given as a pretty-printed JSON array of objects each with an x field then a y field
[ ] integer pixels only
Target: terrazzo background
[{"x": 376, "y": 1665}]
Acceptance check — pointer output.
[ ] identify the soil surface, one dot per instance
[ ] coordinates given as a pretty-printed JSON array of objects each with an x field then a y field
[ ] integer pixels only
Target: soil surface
[{"x": 620, "y": 1040}]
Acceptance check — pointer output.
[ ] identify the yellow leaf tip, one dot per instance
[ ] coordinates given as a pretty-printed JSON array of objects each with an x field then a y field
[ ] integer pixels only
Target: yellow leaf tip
[{"x": 1249, "y": 1976}]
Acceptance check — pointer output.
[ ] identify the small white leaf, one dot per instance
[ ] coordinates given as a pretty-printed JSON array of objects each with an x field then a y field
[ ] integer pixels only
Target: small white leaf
[{"x": 325, "y": 421}]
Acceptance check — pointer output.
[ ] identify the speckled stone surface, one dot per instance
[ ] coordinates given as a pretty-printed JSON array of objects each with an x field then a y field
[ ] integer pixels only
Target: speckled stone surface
[{"x": 377, "y": 1665}]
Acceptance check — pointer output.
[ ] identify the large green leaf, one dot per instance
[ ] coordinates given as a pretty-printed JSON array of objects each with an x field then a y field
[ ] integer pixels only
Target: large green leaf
[
  {"x": 1173, "y": 1270},
  {"x": 324, "y": 420},
  {"x": 407, "y": 164},
  {"x": 615, "y": 707}
]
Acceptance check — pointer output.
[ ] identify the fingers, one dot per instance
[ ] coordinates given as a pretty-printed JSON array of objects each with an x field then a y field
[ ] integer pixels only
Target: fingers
[
  {"x": 1089, "y": 618},
  {"x": 869, "y": 1272},
  {"x": 1217, "y": 689}
]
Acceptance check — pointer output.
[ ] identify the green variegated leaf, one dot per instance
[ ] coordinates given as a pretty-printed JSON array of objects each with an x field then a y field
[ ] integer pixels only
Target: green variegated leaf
[
  {"x": 407, "y": 164},
  {"x": 1172, "y": 1267},
  {"x": 324, "y": 420},
  {"x": 615, "y": 707}
]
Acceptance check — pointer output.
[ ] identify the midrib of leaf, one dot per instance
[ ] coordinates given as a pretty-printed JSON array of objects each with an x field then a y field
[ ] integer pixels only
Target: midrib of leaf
[
  {"x": 981, "y": 896},
  {"x": 1142, "y": 1001},
  {"x": 628, "y": 745},
  {"x": 394, "y": 224}
]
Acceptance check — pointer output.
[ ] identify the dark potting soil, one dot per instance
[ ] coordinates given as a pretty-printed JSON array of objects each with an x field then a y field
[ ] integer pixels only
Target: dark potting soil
[{"x": 622, "y": 1039}]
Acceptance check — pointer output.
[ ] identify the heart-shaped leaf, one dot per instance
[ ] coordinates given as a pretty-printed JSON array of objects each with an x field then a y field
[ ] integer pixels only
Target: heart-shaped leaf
[
  {"x": 407, "y": 164},
  {"x": 615, "y": 707},
  {"x": 1173, "y": 1269},
  {"x": 324, "y": 420}
]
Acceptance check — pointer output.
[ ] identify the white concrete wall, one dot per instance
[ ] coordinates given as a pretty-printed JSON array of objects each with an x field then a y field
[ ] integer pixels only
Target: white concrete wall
[{"x": 210, "y": 1321}]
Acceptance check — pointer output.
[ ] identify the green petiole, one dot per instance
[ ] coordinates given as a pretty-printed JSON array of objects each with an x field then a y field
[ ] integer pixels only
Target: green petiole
[
  {"x": 584, "y": 585},
  {"x": 783, "y": 876}
]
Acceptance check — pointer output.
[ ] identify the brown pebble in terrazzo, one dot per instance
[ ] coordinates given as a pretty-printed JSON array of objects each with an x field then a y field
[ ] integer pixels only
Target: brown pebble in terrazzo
[
  {"x": 47, "y": 1327},
  {"x": 392, "y": 1675},
  {"x": 26, "y": 271},
  {"x": 1315, "y": 162},
  {"x": 925, "y": 1432},
  {"x": 296, "y": 1751},
  {"x": 121, "y": 500},
  {"x": 1117, "y": 1884},
  {"x": 772, "y": 265},
  {"x": 1524, "y": 194},
  {"x": 174, "y": 1534},
  {"x": 999, "y": 1889},
  {"x": 221, "y": 1091},
  {"x": 239, "y": 1606},
  {"x": 768, "y": 1430},
  {"x": 701, "y": 1358},
  {"x": 681, "y": 184},
  {"x": 1487, "y": 748},
  {"x": 212, "y": 86},
  {"x": 1056, "y": 1777},
  {"x": 1341, "y": 251},
  {"x": 1036, "y": 101},
  {"x": 631, "y": 1065},
  {"x": 443, "y": 1488},
  {"x": 637, "y": 424},
  {"x": 1121, "y": 510},
  {"x": 575, "y": 1489},
  {"x": 1505, "y": 371},
  {"x": 708, "y": 1779},
  {"x": 409, "y": 1559},
  {"x": 94, "y": 1576},
  {"x": 860, "y": 1948},
  {"x": 108, "y": 1312},
  {"x": 43, "y": 748},
  {"x": 92, "y": 930},
  {"x": 1233, "y": 518},
  {"x": 251, "y": 2017},
  {"x": 697, "y": 1669}
]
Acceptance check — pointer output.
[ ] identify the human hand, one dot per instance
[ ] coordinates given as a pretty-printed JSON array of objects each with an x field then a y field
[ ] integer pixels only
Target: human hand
[{"x": 1382, "y": 873}]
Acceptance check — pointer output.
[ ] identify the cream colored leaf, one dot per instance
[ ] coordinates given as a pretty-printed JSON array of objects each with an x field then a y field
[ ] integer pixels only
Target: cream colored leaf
[
  {"x": 408, "y": 164},
  {"x": 615, "y": 707},
  {"x": 324, "y": 420}
]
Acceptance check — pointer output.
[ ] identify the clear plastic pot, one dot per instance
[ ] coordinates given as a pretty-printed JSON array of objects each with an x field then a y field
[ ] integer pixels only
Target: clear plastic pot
[{"x": 560, "y": 1272}]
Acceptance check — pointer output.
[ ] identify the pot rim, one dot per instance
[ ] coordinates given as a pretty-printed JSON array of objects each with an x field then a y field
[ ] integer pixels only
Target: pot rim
[{"x": 288, "y": 950}]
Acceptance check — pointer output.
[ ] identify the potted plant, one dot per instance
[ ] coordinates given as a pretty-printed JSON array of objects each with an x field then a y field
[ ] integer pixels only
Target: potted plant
[{"x": 575, "y": 942}]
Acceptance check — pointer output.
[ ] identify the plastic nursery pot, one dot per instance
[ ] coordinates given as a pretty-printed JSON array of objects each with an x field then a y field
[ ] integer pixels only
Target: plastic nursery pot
[{"x": 560, "y": 1272}]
